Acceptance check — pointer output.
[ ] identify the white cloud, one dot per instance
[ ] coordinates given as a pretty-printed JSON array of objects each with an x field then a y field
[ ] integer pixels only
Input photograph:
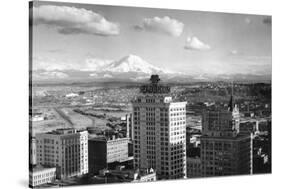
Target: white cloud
[
  {"x": 164, "y": 25},
  {"x": 234, "y": 52},
  {"x": 72, "y": 20},
  {"x": 107, "y": 76},
  {"x": 193, "y": 43},
  {"x": 93, "y": 75},
  {"x": 95, "y": 64},
  {"x": 51, "y": 64}
]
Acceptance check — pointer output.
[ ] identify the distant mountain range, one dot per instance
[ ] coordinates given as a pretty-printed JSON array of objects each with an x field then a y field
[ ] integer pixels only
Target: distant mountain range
[{"x": 134, "y": 69}]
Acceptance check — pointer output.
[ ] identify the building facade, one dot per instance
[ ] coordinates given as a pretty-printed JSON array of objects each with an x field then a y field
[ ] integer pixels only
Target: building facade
[
  {"x": 129, "y": 125},
  {"x": 117, "y": 150},
  {"x": 66, "y": 149},
  {"x": 193, "y": 167},
  {"x": 40, "y": 175},
  {"x": 224, "y": 151},
  {"x": 97, "y": 155},
  {"x": 145, "y": 176},
  {"x": 32, "y": 153},
  {"x": 103, "y": 151},
  {"x": 159, "y": 131}
]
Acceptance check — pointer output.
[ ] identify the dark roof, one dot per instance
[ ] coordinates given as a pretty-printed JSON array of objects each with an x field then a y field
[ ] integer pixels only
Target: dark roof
[{"x": 40, "y": 167}]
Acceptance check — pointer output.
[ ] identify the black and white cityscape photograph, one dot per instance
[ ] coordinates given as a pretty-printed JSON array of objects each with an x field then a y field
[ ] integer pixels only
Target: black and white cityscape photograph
[{"x": 121, "y": 94}]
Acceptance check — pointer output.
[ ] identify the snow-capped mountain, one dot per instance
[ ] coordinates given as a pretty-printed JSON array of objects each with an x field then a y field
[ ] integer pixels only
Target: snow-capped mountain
[
  {"x": 133, "y": 63},
  {"x": 127, "y": 64},
  {"x": 129, "y": 68}
]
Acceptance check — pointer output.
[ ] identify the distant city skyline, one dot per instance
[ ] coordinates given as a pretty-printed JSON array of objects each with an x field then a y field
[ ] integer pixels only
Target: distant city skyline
[{"x": 80, "y": 37}]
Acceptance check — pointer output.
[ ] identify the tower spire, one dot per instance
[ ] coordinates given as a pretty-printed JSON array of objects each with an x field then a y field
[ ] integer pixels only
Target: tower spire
[
  {"x": 232, "y": 88},
  {"x": 230, "y": 104}
]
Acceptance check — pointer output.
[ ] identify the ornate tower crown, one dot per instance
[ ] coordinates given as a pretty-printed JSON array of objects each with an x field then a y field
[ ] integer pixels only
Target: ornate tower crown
[
  {"x": 154, "y": 87},
  {"x": 154, "y": 79}
]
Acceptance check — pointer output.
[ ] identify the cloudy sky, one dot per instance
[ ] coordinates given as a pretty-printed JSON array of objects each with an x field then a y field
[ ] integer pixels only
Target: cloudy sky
[{"x": 75, "y": 36}]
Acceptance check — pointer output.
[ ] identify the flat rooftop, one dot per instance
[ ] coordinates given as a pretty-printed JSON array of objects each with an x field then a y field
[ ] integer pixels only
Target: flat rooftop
[
  {"x": 40, "y": 168},
  {"x": 64, "y": 131}
]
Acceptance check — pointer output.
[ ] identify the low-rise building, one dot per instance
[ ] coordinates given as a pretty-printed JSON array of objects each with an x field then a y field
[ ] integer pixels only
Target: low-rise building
[
  {"x": 193, "y": 163},
  {"x": 248, "y": 127},
  {"x": 117, "y": 150},
  {"x": 103, "y": 151},
  {"x": 71, "y": 95},
  {"x": 145, "y": 176},
  {"x": 37, "y": 118},
  {"x": 120, "y": 174},
  {"x": 66, "y": 149},
  {"x": 40, "y": 175},
  {"x": 193, "y": 167}
]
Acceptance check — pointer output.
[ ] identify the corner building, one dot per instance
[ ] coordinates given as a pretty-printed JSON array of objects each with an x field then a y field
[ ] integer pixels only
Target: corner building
[
  {"x": 65, "y": 149},
  {"x": 159, "y": 131}
]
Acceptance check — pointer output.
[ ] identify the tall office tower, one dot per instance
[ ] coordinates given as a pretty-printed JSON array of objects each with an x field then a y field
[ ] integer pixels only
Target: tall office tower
[
  {"x": 224, "y": 151},
  {"x": 66, "y": 149},
  {"x": 159, "y": 129}
]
